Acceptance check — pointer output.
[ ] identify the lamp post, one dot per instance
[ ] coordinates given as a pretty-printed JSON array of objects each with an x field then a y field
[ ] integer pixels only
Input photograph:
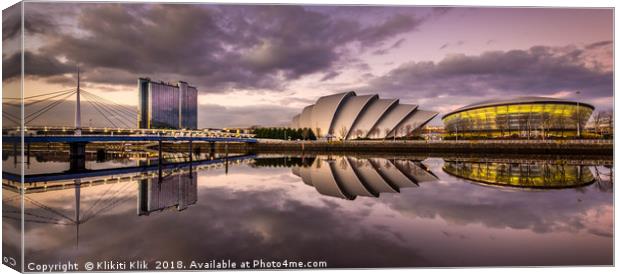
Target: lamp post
[{"x": 578, "y": 118}]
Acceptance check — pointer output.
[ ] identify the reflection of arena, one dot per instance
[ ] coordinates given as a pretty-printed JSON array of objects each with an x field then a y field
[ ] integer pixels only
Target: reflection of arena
[
  {"x": 523, "y": 116},
  {"x": 534, "y": 175}
]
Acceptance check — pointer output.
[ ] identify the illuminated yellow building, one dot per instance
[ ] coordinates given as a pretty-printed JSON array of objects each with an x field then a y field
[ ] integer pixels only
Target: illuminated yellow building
[
  {"x": 519, "y": 117},
  {"x": 530, "y": 175}
]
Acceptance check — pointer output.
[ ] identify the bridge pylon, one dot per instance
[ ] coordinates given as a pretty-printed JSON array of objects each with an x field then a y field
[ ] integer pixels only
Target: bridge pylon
[{"x": 78, "y": 111}]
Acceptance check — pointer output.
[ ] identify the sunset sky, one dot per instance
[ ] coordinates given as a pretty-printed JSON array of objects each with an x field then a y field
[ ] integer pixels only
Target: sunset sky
[{"x": 260, "y": 65}]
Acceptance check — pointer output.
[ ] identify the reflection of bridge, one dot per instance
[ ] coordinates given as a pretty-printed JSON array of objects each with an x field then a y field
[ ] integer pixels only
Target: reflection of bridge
[
  {"x": 77, "y": 143},
  {"x": 161, "y": 186},
  {"x": 348, "y": 177},
  {"x": 92, "y": 177}
]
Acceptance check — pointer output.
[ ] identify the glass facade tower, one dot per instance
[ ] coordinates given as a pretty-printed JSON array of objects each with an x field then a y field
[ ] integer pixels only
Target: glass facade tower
[{"x": 167, "y": 106}]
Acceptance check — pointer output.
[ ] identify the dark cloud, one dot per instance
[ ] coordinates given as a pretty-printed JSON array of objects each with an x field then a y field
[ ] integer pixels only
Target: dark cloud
[
  {"x": 538, "y": 70},
  {"x": 34, "y": 23},
  {"x": 37, "y": 65},
  {"x": 330, "y": 75},
  {"x": 438, "y": 11},
  {"x": 396, "y": 45},
  {"x": 213, "y": 46},
  {"x": 457, "y": 43}
]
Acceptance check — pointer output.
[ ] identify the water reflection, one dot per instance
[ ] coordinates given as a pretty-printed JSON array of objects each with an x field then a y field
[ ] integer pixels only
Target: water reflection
[
  {"x": 527, "y": 175},
  {"x": 348, "y": 177},
  {"x": 178, "y": 191},
  {"x": 406, "y": 211}
]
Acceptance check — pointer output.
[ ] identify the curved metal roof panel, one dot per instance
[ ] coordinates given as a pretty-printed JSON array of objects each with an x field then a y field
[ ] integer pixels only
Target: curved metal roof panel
[
  {"x": 305, "y": 120},
  {"x": 370, "y": 116},
  {"x": 325, "y": 110},
  {"x": 390, "y": 120},
  {"x": 349, "y": 112},
  {"x": 417, "y": 119}
]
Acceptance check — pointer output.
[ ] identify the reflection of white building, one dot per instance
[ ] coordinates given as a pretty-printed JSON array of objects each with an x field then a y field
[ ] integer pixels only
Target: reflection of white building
[
  {"x": 349, "y": 177},
  {"x": 348, "y": 116}
]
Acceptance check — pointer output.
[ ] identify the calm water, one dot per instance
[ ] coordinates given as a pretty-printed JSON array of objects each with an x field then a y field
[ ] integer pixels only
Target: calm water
[{"x": 346, "y": 211}]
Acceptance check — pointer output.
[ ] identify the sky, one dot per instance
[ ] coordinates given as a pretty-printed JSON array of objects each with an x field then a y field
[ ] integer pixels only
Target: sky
[{"x": 261, "y": 64}]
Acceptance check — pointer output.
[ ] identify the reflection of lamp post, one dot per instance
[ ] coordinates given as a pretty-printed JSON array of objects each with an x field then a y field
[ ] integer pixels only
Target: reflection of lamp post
[
  {"x": 456, "y": 125},
  {"x": 578, "y": 117}
]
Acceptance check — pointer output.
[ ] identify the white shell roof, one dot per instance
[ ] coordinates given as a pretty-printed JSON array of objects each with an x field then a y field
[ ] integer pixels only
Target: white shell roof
[
  {"x": 349, "y": 112},
  {"x": 390, "y": 120},
  {"x": 369, "y": 118},
  {"x": 359, "y": 116}
]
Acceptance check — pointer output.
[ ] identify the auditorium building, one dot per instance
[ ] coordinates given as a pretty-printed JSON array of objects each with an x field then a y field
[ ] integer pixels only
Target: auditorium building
[{"x": 348, "y": 116}]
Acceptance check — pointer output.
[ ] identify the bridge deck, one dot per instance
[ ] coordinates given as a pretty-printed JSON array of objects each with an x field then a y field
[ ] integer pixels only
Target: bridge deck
[
  {"x": 119, "y": 138},
  {"x": 70, "y": 175}
]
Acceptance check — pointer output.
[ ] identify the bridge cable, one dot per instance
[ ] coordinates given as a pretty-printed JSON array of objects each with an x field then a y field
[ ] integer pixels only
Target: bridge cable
[
  {"x": 8, "y": 116},
  {"x": 129, "y": 117},
  {"x": 102, "y": 114},
  {"x": 102, "y": 108},
  {"x": 46, "y": 99},
  {"x": 110, "y": 110},
  {"x": 126, "y": 109},
  {"x": 48, "y": 108}
]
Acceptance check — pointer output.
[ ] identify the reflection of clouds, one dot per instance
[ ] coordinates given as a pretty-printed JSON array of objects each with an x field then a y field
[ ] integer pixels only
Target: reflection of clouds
[
  {"x": 460, "y": 202},
  {"x": 236, "y": 224},
  {"x": 11, "y": 225},
  {"x": 270, "y": 213}
]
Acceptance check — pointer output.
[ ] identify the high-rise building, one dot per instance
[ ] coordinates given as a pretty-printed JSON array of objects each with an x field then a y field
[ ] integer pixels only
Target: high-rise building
[{"x": 167, "y": 106}]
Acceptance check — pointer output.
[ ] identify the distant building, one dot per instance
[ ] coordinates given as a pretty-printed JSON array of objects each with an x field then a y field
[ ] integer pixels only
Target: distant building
[
  {"x": 167, "y": 106},
  {"x": 521, "y": 116},
  {"x": 348, "y": 116}
]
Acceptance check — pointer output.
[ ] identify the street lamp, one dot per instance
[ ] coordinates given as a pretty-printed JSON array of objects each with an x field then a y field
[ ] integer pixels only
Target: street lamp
[{"x": 578, "y": 117}]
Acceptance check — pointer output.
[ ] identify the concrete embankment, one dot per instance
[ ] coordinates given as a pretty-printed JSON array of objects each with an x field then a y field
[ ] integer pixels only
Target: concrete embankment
[{"x": 572, "y": 147}]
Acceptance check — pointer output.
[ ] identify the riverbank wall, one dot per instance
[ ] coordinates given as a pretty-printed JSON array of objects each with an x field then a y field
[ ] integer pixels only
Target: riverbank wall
[{"x": 564, "y": 147}]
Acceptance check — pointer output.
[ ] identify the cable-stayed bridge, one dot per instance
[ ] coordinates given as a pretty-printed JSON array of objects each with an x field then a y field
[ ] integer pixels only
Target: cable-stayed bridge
[{"x": 37, "y": 125}]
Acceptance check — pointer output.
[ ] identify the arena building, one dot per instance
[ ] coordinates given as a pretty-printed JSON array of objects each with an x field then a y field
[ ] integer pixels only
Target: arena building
[
  {"x": 348, "y": 116},
  {"x": 519, "y": 117}
]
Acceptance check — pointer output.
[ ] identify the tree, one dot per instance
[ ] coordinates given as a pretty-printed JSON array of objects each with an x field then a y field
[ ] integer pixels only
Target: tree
[{"x": 343, "y": 132}]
